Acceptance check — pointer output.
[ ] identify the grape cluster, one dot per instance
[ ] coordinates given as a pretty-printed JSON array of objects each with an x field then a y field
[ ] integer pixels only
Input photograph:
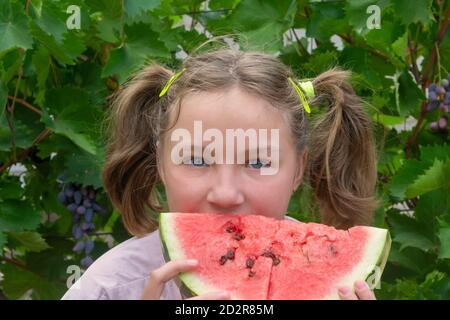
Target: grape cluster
[
  {"x": 439, "y": 97},
  {"x": 81, "y": 202}
]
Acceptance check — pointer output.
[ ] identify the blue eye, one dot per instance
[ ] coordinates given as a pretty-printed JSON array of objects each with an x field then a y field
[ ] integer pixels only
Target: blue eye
[
  {"x": 197, "y": 162},
  {"x": 258, "y": 164}
]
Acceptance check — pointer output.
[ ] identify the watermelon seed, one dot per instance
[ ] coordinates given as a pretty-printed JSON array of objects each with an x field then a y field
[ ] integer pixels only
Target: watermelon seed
[
  {"x": 276, "y": 261},
  {"x": 333, "y": 250},
  {"x": 268, "y": 254},
  {"x": 251, "y": 273},
  {"x": 230, "y": 255},
  {"x": 223, "y": 259},
  {"x": 239, "y": 236},
  {"x": 249, "y": 263},
  {"x": 230, "y": 229}
]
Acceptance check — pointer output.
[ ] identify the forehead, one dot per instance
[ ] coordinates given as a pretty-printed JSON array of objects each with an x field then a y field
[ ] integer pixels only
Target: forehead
[{"x": 230, "y": 109}]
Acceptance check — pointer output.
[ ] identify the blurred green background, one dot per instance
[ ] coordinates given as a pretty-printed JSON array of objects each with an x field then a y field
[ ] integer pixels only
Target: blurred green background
[{"x": 60, "y": 62}]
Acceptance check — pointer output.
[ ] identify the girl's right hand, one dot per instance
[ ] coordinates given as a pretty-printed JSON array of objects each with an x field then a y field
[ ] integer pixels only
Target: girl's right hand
[{"x": 170, "y": 270}]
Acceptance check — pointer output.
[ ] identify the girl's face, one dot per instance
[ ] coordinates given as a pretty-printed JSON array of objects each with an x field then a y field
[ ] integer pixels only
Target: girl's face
[{"x": 230, "y": 188}]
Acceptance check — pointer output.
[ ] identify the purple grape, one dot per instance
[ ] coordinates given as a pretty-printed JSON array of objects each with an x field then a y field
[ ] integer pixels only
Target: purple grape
[
  {"x": 85, "y": 226},
  {"x": 443, "y": 107},
  {"x": 86, "y": 261},
  {"x": 440, "y": 90},
  {"x": 443, "y": 123},
  {"x": 447, "y": 98},
  {"x": 98, "y": 208},
  {"x": 81, "y": 210},
  {"x": 77, "y": 232},
  {"x": 84, "y": 191},
  {"x": 77, "y": 197},
  {"x": 72, "y": 207},
  {"x": 69, "y": 192},
  {"x": 88, "y": 215},
  {"x": 89, "y": 246},
  {"x": 62, "y": 197},
  {"x": 79, "y": 246},
  {"x": 432, "y": 87},
  {"x": 434, "y": 126},
  {"x": 432, "y": 96},
  {"x": 87, "y": 203}
]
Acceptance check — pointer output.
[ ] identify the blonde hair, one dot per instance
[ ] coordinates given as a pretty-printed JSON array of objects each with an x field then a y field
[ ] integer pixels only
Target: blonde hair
[{"x": 341, "y": 164}]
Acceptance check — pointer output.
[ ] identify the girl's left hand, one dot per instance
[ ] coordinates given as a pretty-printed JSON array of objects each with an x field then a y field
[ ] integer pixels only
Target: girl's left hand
[{"x": 361, "y": 292}]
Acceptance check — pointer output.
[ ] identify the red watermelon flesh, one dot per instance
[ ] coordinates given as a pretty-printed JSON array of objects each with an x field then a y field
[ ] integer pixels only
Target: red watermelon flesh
[{"x": 256, "y": 257}]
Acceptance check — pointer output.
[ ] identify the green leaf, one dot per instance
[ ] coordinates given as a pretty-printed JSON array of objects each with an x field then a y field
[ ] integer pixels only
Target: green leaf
[
  {"x": 135, "y": 8},
  {"x": 326, "y": 20},
  {"x": 13, "y": 27},
  {"x": 10, "y": 188},
  {"x": 24, "y": 133},
  {"x": 17, "y": 282},
  {"x": 408, "y": 232},
  {"x": 321, "y": 62},
  {"x": 357, "y": 13},
  {"x": 33, "y": 241},
  {"x": 414, "y": 11},
  {"x": 49, "y": 42},
  {"x": 85, "y": 168},
  {"x": 41, "y": 63},
  {"x": 405, "y": 176},
  {"x": 141, "y": 44},
  {"x": 109, "y": 18},
  {"x": 17, "y": 215},
  {"x": 260, "y": 23},
  {"x": 69, "y": 112},
  {"x": 444, "y": 237},
  {"x": 408, "y": 95},
  {"x": 437, "y": 176},
  {"x": 415, "y": 240},
  {"x": 431, "y": 152}
]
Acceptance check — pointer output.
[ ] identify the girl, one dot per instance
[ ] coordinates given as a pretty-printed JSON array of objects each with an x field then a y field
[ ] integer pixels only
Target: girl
[{"x": 226, "y": 89}]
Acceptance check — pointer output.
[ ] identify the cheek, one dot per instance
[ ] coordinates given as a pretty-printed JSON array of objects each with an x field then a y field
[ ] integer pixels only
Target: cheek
[
  {"x": 269, "y": 198},
  {"x": 184, "y": 193}
]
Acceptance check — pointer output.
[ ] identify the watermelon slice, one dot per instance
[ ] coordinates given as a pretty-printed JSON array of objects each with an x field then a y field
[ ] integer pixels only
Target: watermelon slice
[{"x": 256, "y": 257}]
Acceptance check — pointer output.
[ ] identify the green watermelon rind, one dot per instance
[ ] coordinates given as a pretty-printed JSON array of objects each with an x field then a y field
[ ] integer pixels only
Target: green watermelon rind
[
  {"x": 190, "y": 285},
  {"x": 372, "y": 264}
]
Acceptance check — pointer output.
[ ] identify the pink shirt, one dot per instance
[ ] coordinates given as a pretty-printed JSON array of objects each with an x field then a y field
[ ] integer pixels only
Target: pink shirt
[{"x": 122, "y": 272}]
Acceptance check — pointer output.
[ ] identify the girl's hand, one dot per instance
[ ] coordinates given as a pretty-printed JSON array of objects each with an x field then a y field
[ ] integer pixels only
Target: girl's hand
[
  {"x": 160, "y": 276},
  {"x": 362, "y": 292}
]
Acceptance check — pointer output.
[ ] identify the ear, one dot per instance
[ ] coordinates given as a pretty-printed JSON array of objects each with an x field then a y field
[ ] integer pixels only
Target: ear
[
  {"x": 301, "y": 160},
  {"x": 159, "y": 164}
]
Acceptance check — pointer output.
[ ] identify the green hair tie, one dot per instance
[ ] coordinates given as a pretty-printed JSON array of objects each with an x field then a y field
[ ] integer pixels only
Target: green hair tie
[
  {"x": 308, "y": 88},
  {"x": 169, "y": 83}
]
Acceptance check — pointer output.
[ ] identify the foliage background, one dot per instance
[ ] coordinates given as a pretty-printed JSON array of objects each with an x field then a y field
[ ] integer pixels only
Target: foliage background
[{"x": 56, "y": 84}]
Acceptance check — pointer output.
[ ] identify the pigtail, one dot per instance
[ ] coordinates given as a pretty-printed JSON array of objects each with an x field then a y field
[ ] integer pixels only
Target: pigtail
[
  {"x": 342, "y": 158},
  {"x": 130, "y": 171}
]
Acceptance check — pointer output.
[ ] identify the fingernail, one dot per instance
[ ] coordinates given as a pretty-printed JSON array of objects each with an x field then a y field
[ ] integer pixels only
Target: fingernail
[
  {"x": 361, "y": 285},
  {"x": 192, "y": 262},
  {"x": 344, "y": 291}
]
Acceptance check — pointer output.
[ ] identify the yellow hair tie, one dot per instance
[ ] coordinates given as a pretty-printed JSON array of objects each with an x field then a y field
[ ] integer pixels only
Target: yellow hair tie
[
  {"x": 308, "y": 88},
  {"x": 171, "y": 80}
]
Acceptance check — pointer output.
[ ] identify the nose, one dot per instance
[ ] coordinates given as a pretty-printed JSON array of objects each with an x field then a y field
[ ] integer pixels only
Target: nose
[{"x": 225, "y": 193}]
